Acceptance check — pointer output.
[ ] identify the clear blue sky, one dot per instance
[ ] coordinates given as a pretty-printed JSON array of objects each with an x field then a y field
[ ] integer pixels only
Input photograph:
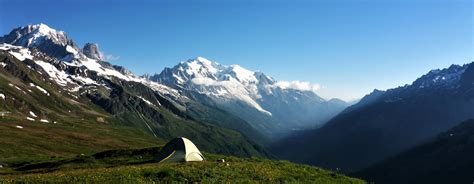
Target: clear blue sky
[{"x": 349, "y": 47}]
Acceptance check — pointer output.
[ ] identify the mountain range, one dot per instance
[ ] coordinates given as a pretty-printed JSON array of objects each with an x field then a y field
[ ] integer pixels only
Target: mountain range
[
  {"x": 46, "y": 78},
  {"x": 58, "y": 99},
  {"x": 224, "y": 109},
  {"x": 385, "y": 123},
  {"x": 267, "y": 104}
]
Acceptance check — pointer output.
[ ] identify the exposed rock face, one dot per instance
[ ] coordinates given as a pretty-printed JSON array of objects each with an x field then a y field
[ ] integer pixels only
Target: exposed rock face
[{"x": 91, "y": 50}]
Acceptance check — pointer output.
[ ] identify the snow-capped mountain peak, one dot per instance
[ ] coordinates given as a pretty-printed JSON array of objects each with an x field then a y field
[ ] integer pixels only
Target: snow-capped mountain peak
[
  {"x": 48, "y": 40},
  {"x": 199, "y": 67},
  {"x": 243, "y": 75},
  {"x": 447, "y": 77},
  {"x": 40, "y": 30},
  {"x": 35, "y": 35},
  {"x": 231, "y": 83},
  {"x": 250, "y": 95},
  {"x": 60, "y": 58},
  {"x": 203, "y": 60}
]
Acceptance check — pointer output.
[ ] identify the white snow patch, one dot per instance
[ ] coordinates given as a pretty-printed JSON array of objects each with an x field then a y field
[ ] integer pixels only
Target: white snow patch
[
  {"x": 193, "y": 67},
  {"x": 235, "y": 89},
  {"x": 146, "y": 101},
  {"x": 178, "y": 79},
  {"x": 71, "y": 50},
  {"x": 59, "y": 76},
  {"x": 243, "y": 75},
  {"x": 85, "y": 80},
  {"x": 19, "y": 52},
  {"x": 20, "y": 127},
  {"x": 163, "y": 89},
  {"x": 221, "y": 92},
  {"x": 2, "y": 96},
  {"x": 33, "y": 114},
  {"x": 92, "y": 64},
  {"x": 19, "y": 56},
  {"x": 39, "y": 31},
  {"x": 44, "y": 120},
  {"x": 16, "y": 87},
  {"x": 4, "y": 46},
  {"x": 44, "y": 29},
  {"x": 200, "y": 67},
  {"x": 42, "y": 90},
  {"x": 31, "y": 119}
]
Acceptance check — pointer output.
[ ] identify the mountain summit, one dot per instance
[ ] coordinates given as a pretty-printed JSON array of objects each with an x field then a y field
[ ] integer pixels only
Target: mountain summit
[
  {"x": 259, "y": 99},
  {"x": 91, "y": 50},
  {"x": 385, "y": 123},
  {"x": 56, "y": 44},
  {"x": 36, "y": 35},
  {"x": 48, "y": 40},
  {"x": 215, "y": 80}
]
